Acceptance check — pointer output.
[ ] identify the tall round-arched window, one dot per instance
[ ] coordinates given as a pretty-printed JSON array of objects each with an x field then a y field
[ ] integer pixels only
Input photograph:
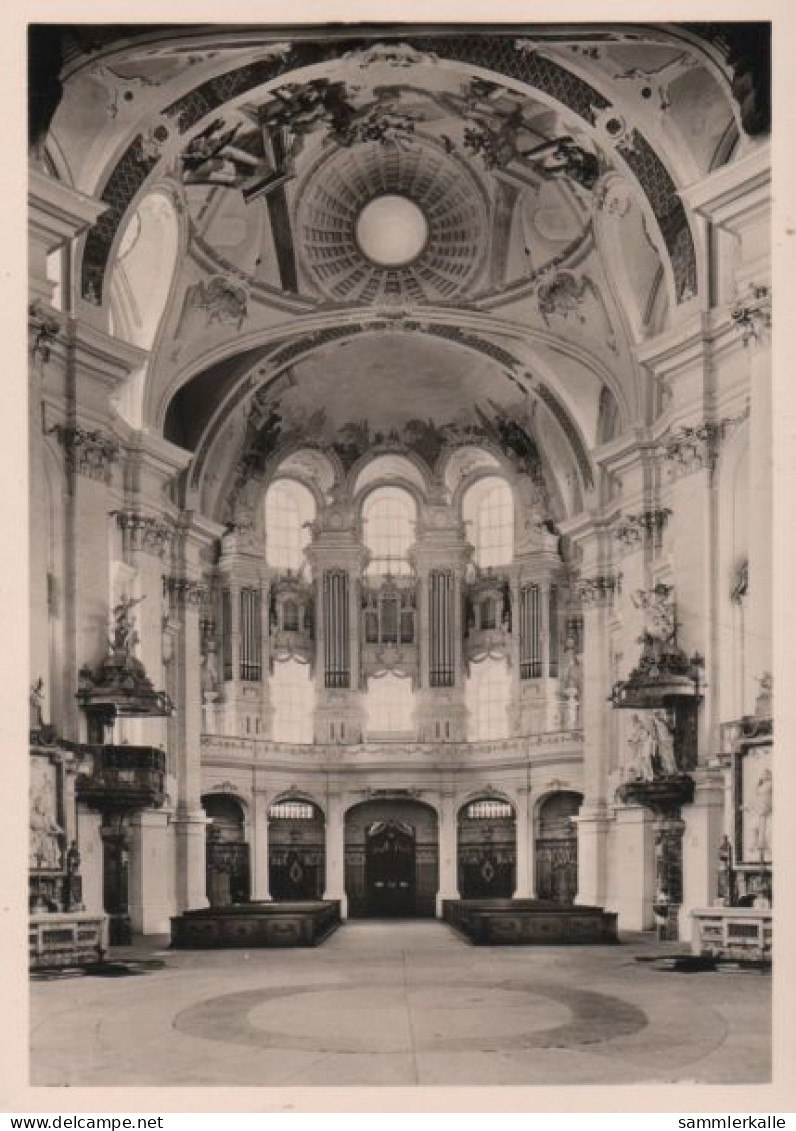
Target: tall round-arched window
[
  {"x": 289, "y": 508},
  {"x": 487, "y": 696},
  {"x": 143, "y": 270},
  {"x": 488, "y": 509},
  {"x": 389, "y": 517}
]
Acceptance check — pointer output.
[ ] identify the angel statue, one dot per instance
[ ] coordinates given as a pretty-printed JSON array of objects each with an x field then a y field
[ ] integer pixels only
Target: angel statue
[
  {"x": 659, "y": 615},
  {"x": 124, "y": 635}
]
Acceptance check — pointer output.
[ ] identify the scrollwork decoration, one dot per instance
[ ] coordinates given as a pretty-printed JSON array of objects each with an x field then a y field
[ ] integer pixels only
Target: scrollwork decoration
[
  {"x": 185, "y": 590},
  {"x": 751, "y": 314},
  {"x": 88, "y": 452},
  {"x": 599, "y": 589},
  {"x": 44, "y": 330},
  {"x": 635, "y": 529},
  {"x": 144, "y": 532}
]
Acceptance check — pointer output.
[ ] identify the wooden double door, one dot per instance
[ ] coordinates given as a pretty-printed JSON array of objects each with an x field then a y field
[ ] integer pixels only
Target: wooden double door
[
  {"x": 390, "y": 869},
  {"x": 391, "y": 860}
]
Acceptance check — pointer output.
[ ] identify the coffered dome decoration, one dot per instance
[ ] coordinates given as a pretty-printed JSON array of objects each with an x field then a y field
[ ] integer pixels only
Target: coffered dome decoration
[{"x": 386, "y": 223}]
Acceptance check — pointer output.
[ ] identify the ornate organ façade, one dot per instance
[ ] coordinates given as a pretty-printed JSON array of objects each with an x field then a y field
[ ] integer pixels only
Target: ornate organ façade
[{"x": 427, "y": 622}]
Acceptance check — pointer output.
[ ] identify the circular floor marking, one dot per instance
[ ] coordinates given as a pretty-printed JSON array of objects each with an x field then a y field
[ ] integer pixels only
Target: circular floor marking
[{"x": 384, "y": 1018}]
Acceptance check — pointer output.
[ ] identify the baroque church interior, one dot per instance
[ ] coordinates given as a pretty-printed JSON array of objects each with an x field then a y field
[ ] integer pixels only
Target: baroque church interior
[{"x": 400, "y": 532}]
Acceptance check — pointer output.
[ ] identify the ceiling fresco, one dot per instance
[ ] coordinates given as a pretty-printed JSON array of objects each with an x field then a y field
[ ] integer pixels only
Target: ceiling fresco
[{"x": 539, "y": 169}]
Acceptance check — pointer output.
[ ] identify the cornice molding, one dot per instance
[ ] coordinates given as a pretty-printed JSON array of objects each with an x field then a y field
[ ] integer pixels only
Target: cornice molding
[
  {"x": 736, "y": 195},
  {"x": 58, "y": 213}
]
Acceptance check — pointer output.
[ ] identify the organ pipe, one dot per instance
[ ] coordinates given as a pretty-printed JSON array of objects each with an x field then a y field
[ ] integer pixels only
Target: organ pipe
[
  {"x": 442, "y": 627},
  {"x": 226, "y": 632},
  {"x": 250, "y": 635},
  {"x": 553, "y": 630},
  {"x": 530, "y": 633},
  {"x": 337, "y": 662}
]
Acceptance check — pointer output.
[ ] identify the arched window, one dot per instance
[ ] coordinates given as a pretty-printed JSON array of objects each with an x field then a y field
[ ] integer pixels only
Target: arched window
[
  {"x": 389, "y": 705},
  {"x": 488, "y": 509},
  {"x": 488, "y": 691},
  {"x": 143, "y": 270},
  {"x": 389, "y": 517},
  {"x": 293, "y": 701},
  {"x": 289, "y": 507}
]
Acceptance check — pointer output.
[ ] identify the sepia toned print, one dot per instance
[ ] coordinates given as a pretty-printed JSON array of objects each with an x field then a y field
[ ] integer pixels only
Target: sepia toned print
[{"x": 400, "y": 428}]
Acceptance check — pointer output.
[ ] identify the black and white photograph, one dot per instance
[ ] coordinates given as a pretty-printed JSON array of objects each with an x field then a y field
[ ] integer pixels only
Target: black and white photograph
[{"x": 401, "y": 553}]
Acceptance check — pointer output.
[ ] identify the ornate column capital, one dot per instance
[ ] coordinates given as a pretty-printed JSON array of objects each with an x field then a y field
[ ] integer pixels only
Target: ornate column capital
[
  {"x": 43, "y": 329},
  {"x": 144, "y": 533},
  {"x": 88, "y": 452},
  {"x": 634, "y": 530},
  {"x": 695, "y": 447},
  {"x": 751, "y": 313},
  {"x": 185, "y": 591},
  {"x": 598, "y": 590}
]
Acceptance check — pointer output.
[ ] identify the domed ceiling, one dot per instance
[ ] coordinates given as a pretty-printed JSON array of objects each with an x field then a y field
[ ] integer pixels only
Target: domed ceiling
[
  {"x": 513, "y": 192},
  {"x": 376, "y": 224}
]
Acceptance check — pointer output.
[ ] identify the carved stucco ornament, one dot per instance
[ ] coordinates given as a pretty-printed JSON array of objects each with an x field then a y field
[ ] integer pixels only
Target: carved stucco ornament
[{"x": 751, "y": 313}]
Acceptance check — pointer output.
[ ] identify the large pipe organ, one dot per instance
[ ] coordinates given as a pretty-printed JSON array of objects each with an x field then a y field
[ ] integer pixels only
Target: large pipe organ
[{"x": 431, "y": 623}]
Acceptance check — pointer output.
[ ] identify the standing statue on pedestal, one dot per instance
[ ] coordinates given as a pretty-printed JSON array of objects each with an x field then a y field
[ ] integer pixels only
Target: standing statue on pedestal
[
  {"x": 664, "y": 760},
  {"x": 760, "y": 817},
  {"x": 36, "y": 704},
  {"x": 45, "y": 837},
  {"x": 651, "y": 742},
  {"x": 726, "y": 874},
  {"x": 639, "y": 766},
  {"x": 125, "y": 637}
]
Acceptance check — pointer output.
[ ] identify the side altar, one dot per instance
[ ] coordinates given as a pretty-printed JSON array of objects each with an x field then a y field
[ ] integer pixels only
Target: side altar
[{"x": 739, "y": 925}]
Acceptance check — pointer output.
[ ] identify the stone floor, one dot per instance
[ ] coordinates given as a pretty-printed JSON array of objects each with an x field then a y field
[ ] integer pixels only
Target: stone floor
[{"x": 402, "y": 1003}]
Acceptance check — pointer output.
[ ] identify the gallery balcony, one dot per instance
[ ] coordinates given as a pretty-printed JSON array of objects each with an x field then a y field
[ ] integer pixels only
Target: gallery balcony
[{"x": 519, "y": 750}]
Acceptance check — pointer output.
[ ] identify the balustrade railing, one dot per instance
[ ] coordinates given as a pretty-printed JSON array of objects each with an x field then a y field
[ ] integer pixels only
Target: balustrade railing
[{"x": 256, "y": 749}]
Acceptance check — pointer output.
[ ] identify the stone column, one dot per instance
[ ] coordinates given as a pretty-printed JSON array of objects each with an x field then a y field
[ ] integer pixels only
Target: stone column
[
  {"x": 593, "y": 821},
  {"x": 186, "y": 590},
  {"x": 704, "y": 819},
  {"x": 634, "y": 879},
  {"x": 79, "y": 413},
  {"x": 448, "y": 850},
  {"x": 760, "y": 602},
  {"x": 260, "y": 862},
  {"x": 335, "y": 852},
  {"x": 597, "y": 588},
  {"x": 266, "y": 706},
  {"x": 57, "y": 216},
  {"x": 524, "y": 832},
  {"x": 735, "y": 201},
  {"x": 89, "y": 838},
  {"x": 150, "y": 903}
]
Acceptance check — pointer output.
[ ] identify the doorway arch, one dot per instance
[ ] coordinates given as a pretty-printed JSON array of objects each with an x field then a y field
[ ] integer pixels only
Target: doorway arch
[
  {"x": 391, "y": 859},
  {"x": 227, "y": 853},
  {"x": 557, "y": 846},
  {"x": 296, "y": 850},
  {"x": 487, "y": 849}
]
